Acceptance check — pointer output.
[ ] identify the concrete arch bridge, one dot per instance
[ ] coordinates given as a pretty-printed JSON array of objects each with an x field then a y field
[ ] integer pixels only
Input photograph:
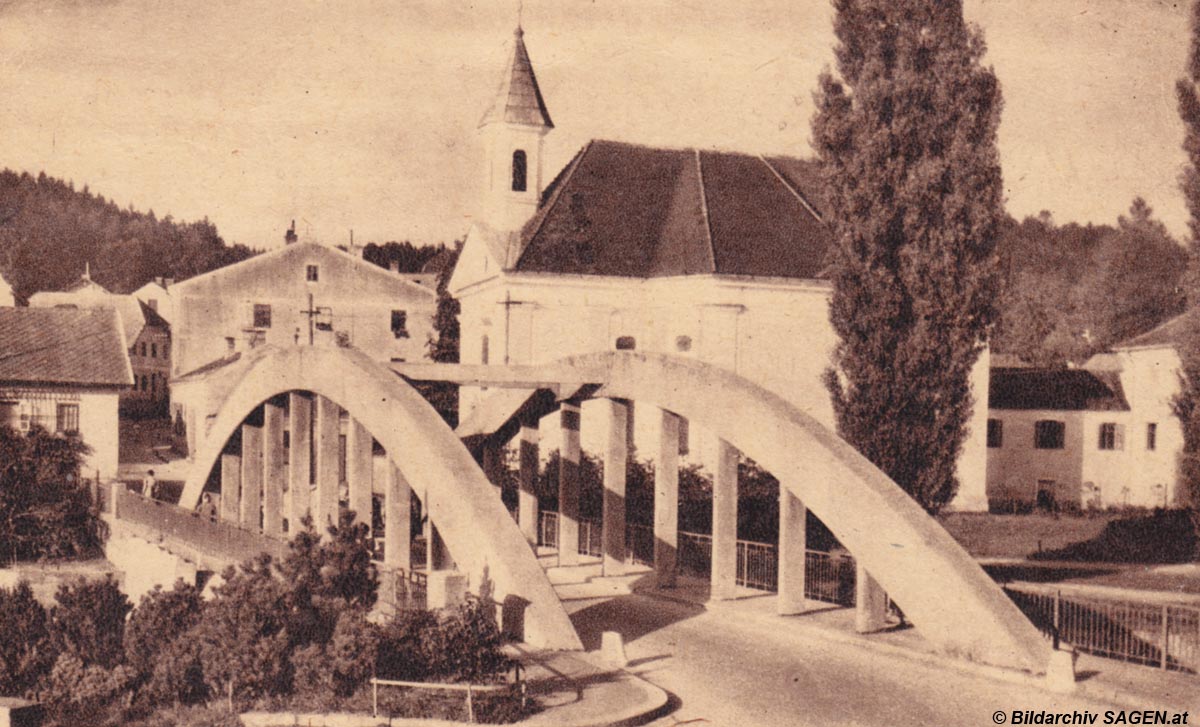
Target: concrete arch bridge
[{"x": 268, "y": 477}]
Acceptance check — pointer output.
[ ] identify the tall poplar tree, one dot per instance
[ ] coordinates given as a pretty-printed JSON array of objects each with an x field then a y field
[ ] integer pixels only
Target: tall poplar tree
[
  {"x": 1187, "y": 401},
  {"x": 906, "y": 135}
]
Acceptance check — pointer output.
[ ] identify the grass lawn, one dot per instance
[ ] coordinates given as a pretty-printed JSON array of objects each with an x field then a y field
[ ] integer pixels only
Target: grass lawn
[{"x": 1021, "y": 536}]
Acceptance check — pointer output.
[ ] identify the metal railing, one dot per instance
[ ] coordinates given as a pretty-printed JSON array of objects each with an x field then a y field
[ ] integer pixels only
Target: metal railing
[
  {"x": 548, "y": 529},
  {"x": 695, "y": 553},
  {"x": 757, "y": 565},
  {"x": 1164, "y": 635},
  {"x": 470, "y": 689},
  {"x": 416, "y": 550},
  {"x": 829, "y": 577}
]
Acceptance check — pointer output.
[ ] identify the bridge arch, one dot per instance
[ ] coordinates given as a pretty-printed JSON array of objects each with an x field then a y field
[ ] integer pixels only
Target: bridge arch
[
  {"x": 479, "y": 531},
  {"x": 942, "y": 590}
]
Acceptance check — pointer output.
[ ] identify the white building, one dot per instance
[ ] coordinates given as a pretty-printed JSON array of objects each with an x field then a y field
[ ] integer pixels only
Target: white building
[
  {"x": 1101, "y": 436},
  {"x": 63, "y": 369},
  {"x": 712, "y": 255},
  {"x": 159, "y": 295}
]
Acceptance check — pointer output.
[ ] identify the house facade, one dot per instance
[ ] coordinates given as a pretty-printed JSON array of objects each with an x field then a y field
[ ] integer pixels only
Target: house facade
[
  {"x": 63, "y": 369},
  {"x": 710, "y": 255},
  {"x": 147, "y": 335}
]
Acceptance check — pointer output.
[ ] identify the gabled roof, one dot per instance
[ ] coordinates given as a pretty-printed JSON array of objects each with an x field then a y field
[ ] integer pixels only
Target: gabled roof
[
  {"x": 1056, "y": 390},
  {"x": 63, "y": 346},
  {"x": 132, "y": 312},
  {"x": 635, "y": 211},
  {"x": 1170, "y": 333},
  {"x": 519, "y": 100}
]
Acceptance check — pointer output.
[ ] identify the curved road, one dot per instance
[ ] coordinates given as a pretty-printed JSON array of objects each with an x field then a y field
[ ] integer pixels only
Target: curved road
[{"x": 754, "y": 673}]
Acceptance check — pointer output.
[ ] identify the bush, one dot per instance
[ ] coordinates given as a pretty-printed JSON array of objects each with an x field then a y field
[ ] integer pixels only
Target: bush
[
  {"x": 89, "y": 622},
  {"x": 25, "y": 650},
  {"x": 165, "y": 667},
  {"x": 45, "y": 510},
  {"x": 79, "y": 693}
]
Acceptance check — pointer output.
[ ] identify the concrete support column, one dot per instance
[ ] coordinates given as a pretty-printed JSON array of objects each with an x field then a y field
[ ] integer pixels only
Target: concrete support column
[
  {"x": 273, "y": 469},
  {"x": 231, "y": 488},
  {"x": 666, "y": 502},
  {"x": 360, "y": 465},
  {"x": 397, "y": 507},
  {"x": 328, "y": 430},
  {"x": 527, "y": 501},
  {"x": 252, "y": 477},
  {"x": 299, "y": 458},
  {"x": 616, "y": 454},
  {"x": 793, "y": 544},
  {"x": 568, "y": 485},
  {"x": 724, "y": 523},
  {"x": 870, "y": 603}
]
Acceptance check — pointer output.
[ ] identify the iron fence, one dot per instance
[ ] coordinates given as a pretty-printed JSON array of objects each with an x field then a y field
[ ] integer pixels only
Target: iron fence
[
  {"x": 1164, "y": 635},
  {"x": 757, "y": 565},
  {"x": 695, "y": 553},
  {"x": 829, "y": 577},
  {"x": 548, "y": 529}
]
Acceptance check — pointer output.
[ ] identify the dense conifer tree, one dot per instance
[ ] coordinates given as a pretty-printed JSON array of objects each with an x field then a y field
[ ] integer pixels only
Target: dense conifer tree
[{"x": 906, "y": 134}]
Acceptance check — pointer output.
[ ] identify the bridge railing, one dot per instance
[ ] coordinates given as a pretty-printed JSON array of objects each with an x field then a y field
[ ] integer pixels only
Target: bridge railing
[{"x": 216, "y": 538}]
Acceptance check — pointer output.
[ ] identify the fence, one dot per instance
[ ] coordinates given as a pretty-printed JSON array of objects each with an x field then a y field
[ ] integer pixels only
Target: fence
[
  {"x": 639, "y": 543},
  {"x": 548, "y": 529},
  {"x": 1164, "y": 635},
  {"x": 470, "y": 689},
  {"x": 757, "y": 565}
]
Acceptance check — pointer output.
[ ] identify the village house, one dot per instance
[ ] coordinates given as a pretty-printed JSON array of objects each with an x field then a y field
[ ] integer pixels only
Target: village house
[
  {"x": 159, "y": 296},
  {"x": 63, "y": 369},
  {"x": 147, "y": 334},
  {"x": 1100, "y": 436},
  {"x": 710, "y": 255}
]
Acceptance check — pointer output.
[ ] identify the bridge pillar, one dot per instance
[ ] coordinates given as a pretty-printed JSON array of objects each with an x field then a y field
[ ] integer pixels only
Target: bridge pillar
[
  {"x": 252, "y": 477},
  {"x": 273, "y": 469},
  {"x": 666, "y": 502},
  {"x": 492, "y": 456},
  {"x": 616, "y": 455},
  {"x": 793, "y": 544},
  {"x": 231, "y": 485},
  {"x": 724, "y": 523},
  {"x": 397, "y": 523},
  {"x": 360, "y": 465},
  {"x": 568, "y": 485},
  {"x": 527, "y": 501},
  {"x": 870, "y": 603},
  {"x": 327, "y": 444},
  {"x": 299, "y": 458}
]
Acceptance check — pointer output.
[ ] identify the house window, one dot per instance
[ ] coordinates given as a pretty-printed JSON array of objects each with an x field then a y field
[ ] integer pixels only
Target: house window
[
  {"x": 143, "y": 348},
  {"x": 518, "y": 171},
  {"x": 995, "y": 434},
  {"x": 1151, "y": 436},
  {"x": 154, "y": 383},
  {"x": 154, "y": 350},
  {"x": 262, "y": 315},
  {"x": 626, "y": 343},
  {"x": 311, "y": 274},
  {"x": 1049, "y": 434},
  {"x": 144, "y": 382},
  {"x": 68, "y": 418},
  {"x": 1110, "y": 436},
  {"x": 400, "y": 324}
]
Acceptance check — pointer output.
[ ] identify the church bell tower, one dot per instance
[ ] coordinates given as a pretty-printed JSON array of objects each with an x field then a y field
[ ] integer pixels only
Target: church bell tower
[{"x": 512, "y": 131}]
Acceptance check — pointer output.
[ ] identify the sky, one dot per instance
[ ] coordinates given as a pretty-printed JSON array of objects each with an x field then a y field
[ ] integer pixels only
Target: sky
[{"x": 362, "y": 114}]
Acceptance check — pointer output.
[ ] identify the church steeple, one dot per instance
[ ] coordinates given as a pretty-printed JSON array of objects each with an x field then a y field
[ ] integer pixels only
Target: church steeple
[{"x": 513, "y": 129}]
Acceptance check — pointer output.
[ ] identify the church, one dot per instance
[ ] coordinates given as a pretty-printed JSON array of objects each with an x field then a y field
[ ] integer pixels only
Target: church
[{"x": 711, "y": 255}]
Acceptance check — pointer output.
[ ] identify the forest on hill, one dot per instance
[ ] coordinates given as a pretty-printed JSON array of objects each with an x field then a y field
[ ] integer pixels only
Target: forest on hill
[
  {"x": 49, "y": 230},
  {"x": 1069, "y": 291}
]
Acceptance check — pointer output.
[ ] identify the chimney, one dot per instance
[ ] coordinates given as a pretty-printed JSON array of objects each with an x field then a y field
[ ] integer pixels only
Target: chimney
[
  {"x": 394, "y": 266},
  {"x": 290, "y": 237},
  {"x": 168, "y": 282}
]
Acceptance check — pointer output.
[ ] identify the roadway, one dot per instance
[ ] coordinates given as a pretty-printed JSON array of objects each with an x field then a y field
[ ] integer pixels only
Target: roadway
[{"x": 749, "y": 672}]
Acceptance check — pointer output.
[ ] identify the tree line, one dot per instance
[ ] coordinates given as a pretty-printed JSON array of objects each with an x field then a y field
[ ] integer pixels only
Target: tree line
[{"x": 49, "y": 230}]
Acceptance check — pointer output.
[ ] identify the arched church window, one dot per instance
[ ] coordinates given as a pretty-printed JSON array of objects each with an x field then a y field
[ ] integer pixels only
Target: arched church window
[
  {"x": 518, "y": 170},
  {"x": 626, "y": 343}
]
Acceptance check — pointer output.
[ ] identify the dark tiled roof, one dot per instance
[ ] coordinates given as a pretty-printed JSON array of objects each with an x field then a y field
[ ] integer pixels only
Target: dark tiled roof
[
  {"x": 64, "y": 346},
  {"x": 1056, "y": 389},
  {"x": 634, "y": 211},
  {"x": 1170, "y": 333},
  {"x": 152, "y": 317},
  {"x": 519, "y": 100}
]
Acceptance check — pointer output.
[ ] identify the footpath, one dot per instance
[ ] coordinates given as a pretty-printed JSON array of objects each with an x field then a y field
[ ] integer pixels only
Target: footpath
[{"x": 1120, "y": 683}]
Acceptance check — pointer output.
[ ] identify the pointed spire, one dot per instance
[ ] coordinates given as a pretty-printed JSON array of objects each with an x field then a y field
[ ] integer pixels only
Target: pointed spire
[{"x": 519, "y": 99}]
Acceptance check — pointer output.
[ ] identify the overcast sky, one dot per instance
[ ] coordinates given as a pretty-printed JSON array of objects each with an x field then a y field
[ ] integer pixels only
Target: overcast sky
[{"x": 362, "y": 114}]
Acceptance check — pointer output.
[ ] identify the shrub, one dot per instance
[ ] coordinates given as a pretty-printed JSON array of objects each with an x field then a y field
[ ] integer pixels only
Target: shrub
[
  {"x": 89, "y": 622},
  {"x": 79, "y": 693},
  {"x": 25, "y": 650},
  {"x": 178, "y": 675},
  {"x": 165, "y": 665}
]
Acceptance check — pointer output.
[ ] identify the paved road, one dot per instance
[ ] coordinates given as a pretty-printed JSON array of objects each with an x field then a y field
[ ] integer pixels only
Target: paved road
[{"x": 748, "y": 674}]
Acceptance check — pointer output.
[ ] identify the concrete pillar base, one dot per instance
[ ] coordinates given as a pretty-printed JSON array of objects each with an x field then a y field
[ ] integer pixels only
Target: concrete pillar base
[
  {"x": 870, "y": 604},
  {"x": 1060, "y": 672},
  {"x": 446, "y": 589}
]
